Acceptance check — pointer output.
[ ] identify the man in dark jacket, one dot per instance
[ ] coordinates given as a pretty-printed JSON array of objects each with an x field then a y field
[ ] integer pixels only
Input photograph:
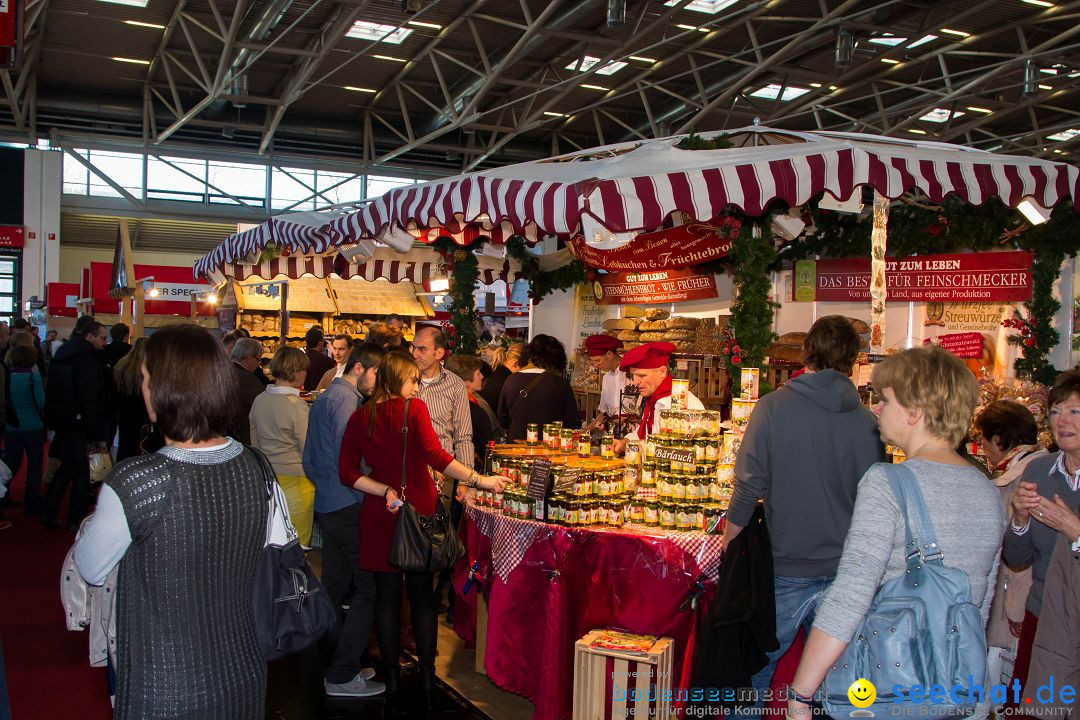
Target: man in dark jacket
[
  {"x": 318, "y": 361},
  {"x": 74, "y": 410},
  {"x": 806, "y": 448},
  {"x": 245, "y": 355},
  {"x": 110, "y": 356}
]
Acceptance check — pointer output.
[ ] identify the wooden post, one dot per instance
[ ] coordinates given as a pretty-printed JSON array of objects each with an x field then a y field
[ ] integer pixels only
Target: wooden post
[{"x": 284, "y": 312}]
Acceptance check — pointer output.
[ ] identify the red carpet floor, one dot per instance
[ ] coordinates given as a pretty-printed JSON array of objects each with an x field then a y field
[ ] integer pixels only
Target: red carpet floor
[{"x": 48, "y": 673}]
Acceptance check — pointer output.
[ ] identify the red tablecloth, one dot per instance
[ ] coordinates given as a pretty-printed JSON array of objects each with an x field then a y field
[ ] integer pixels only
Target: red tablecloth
[{"x": 567, "y": 582}]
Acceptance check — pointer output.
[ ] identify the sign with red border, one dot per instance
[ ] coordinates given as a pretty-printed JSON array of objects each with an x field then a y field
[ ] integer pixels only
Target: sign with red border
[
  {"x": 660, "y": 286},
  {"x": 12, "y": 236}
]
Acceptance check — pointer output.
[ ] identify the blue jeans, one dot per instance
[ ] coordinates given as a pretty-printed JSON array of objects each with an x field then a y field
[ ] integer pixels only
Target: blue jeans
[{"x": 797, "y": 601}]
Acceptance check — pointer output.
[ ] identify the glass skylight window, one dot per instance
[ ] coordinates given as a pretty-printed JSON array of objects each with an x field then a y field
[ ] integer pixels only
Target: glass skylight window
[
  {"x": 940, "y": 115},
  {"x": 588, "y": 62},
  {"x": 710, "y": 7},
  {"x": 132, "y": 3},
  {"x": 1064, "y": 135},
  {"x": 922, "y": 41},
  {"x": 363, "y": 30},
  {"x": 772, "y": 92},
  {"x": 888, "y": 39}
]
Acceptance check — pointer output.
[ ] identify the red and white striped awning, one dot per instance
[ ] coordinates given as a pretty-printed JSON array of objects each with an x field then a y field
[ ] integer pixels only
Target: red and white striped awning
[
  {"x": 307, "y": 233},
  {"x": 636, "y": 186},
  {"x": 417, "y": 266}
]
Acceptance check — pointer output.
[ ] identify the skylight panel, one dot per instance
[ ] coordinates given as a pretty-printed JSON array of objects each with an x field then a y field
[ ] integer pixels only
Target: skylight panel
[
  {"x": 940, "y": 115},
  {"x": 589, "y": 62},
  {"x": 131, "y": 3},
  {"x": 772, "y": 92},
  {"x": 887, "y": 39},
  {"x": 709, "y": 7},
  {"x": 363, "y": 30},
  {"x": 1064, "y": 135}
]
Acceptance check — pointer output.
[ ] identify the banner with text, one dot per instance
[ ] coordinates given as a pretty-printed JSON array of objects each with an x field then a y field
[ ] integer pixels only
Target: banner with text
[
  {"x": 678, "y": 247},
  {"x": 662, "y": 286},
  {"x": 973, "y": 277}
]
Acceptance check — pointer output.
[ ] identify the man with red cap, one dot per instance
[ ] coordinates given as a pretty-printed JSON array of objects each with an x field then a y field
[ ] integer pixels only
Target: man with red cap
[
  {"x": 648, "y": 367},
  {"x": 604, "y": 355}
]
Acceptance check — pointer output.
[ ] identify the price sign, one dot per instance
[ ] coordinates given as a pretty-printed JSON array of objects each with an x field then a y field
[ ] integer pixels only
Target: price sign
[
  {"x": 538, "y": 479},
  {"x": 566, "y": 480}
]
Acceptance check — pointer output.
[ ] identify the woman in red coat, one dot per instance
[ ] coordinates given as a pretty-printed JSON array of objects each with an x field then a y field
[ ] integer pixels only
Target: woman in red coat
[{"x": 373, "y": 436}]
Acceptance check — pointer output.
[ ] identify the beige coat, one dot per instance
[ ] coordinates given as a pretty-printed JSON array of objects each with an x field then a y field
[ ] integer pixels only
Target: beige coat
[
  {"x": 1013, "y": 586},
  {"x": 279, "y": 420},
  {"x": 90, "y": 606}
]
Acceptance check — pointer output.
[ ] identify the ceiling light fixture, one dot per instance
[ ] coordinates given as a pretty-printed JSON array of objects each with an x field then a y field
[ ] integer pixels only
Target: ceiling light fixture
[
  {"x": 134, "y": 61},
  {"x": 642, "y": 59},
  {"x": 692, "y": 27},
  {"x": 916, "y": 131},
  {"x": 130, "y": 3},
  {"x": 595, "y": 87},
  {"x": 360, "y": 89},
  {"x": 1040, "y": 3},
  {"x": 1046, "y": 87},
  {"x": 421, "y": 23},
  {"x": 139, "y": 23},
  {"x": 549, "y": 113},
  {"x": 957, "y": 33},
  {"x": 890, "y": 61},
  {"x": 980, "y": 109},
  {"x": 815, "y": 85},
  {"x": 1035, "y": 213},
  {"x": 390, "y": 58}
]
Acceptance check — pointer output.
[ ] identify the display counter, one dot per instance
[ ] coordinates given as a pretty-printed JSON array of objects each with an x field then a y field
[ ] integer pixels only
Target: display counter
[{"x": 537, "y": 588}]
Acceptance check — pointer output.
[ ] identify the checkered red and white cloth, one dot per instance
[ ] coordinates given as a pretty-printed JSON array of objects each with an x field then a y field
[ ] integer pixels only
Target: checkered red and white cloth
[{"x": 512, "y": 537}]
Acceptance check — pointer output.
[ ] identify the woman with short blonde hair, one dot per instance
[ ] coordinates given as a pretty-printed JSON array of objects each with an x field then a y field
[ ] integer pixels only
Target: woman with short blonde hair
[
  {"x": 279, "y": 420},
  {"x": 927, "y": 397}
]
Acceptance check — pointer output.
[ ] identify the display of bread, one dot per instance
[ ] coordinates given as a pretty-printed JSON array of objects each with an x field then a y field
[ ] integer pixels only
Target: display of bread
[
  {"x": 788, "y": 348},
  {"x": 620, "y": 324},
  {"x": 656, "y": 314},
  {"x": 625, "y": 335},
  {"x": 641, "y": 325}
]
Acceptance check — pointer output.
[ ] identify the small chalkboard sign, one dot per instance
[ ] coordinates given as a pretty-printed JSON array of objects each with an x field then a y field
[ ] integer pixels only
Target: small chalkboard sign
[
  {"x": 683, "y": 456},
  {"x": 538, "y": 479},
  {"x": 566, "y": 480}
]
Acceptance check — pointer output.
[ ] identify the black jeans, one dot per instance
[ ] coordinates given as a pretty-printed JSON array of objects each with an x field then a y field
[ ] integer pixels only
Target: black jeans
[
  {"x": 70, "y": 449},
  {"x": 32, "y": 442},
  {"x": 345, "y": 582},
  {"x": 388, "y": 588}
]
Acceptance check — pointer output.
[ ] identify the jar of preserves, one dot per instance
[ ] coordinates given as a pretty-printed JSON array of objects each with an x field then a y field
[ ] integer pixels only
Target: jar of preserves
[
  {"x": 712, "y": 450},
  {"x": 637, "y": 511},
  {"x": 678, "y": 487},
  {"x": 572, "y": 513},
  {"x": 701, "y": 446},
  {"x": 652, "y": 513},
  {"x": 663, "y": 486},
  {"x": 532, "y": 434},
  {"x": 584, "y": 448},
  {"x": 633, "y": 451},
  {"x": 631, "y": 475},
  {"x": 650, "y": 447},
  {"x": 648, "y": 474},
  {"x": 682, "y": 516},
  {"x": 567, "y": 444},
  {"x": 668, "y": 516},
  {"x": 607, "y": 446}
]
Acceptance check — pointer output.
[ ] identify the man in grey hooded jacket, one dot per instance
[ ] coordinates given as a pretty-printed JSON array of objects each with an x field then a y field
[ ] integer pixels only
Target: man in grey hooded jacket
[{"x": 806, "y": 448}]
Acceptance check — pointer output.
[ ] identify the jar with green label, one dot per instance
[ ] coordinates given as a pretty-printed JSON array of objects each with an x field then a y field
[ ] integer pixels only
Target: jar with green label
[
  {"x": 663, "y": 486},
  {"x": 532, "y": 434},
  {"x": 651, "y": 513},
  {"x": 631, "y": 476},
  {"x": 650, "y": 447},
  {"x": 668, "y": 516},
  {"x": 682, "y": 516},
  {"x": 698, "y": 520},
  {"x": 691, "y": 488},
  {"x": 701, "y": 446},
  {"x": 607, "y": 446},
  {"x": 566, "y": 443},
  {"x": 584, "y": 448}
]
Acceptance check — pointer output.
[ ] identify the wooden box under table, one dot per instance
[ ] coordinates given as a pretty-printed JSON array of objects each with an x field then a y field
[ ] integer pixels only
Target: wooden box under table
[{"x": 617, "y": 685}]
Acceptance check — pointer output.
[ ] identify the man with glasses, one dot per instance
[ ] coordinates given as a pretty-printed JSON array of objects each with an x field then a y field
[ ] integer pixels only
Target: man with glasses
[{"x": 73, "y": 409}]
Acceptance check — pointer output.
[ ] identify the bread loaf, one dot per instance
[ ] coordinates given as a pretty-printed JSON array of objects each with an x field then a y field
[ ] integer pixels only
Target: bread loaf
[
  {"x": 652, "y": 325},
  {"x": 621, "y": 324},
  {"x": 792, "y": 338},
  {"x": 656, "y": 314},
  {"x": 684, "y": 347},
  {"x": 679, "y": 335},
  {"x": 628, "y": 335},
  {"x": 651, "y": 336},
  {"x": 681, "y": 323},
  {"x": 632, "y": 311},
  {"x": 785, "y": 353}
]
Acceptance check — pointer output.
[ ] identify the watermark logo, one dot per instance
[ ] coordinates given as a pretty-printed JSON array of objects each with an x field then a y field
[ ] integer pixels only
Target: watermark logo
[{"x": 862, "y": 694}]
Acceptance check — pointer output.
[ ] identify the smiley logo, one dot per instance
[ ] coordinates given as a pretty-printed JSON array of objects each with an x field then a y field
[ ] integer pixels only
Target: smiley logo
[{"x": 862, "y": 693}]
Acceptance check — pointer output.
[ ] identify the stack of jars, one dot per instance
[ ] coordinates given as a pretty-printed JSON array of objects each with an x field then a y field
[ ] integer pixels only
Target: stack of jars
[{"x": 572, "y": 511}]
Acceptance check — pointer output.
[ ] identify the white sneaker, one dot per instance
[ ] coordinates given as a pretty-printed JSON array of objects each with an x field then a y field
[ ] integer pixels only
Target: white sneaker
[{"x": 359, "y": 686}]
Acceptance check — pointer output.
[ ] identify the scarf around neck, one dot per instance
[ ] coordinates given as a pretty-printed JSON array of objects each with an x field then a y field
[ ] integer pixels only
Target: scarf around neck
[{"x": 662, "y": 391}]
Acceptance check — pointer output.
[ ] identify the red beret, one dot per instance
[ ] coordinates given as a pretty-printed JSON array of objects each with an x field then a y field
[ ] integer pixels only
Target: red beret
[
  {"x": 597, "y": 345},
  {"x": 647, "y": 356}
]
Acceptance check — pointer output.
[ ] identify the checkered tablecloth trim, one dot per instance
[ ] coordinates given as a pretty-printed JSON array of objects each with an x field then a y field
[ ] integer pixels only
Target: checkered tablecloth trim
[{"x": 512, "y": 537}]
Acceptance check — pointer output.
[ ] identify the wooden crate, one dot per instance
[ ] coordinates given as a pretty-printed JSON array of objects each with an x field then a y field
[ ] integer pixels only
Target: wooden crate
[{"x": 629, "y": 680}]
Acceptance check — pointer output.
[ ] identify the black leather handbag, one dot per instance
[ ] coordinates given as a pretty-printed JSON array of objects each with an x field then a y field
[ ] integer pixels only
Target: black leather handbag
[
  {"x": 292, "y": 609},
  {"x": 422, "y": 543}
]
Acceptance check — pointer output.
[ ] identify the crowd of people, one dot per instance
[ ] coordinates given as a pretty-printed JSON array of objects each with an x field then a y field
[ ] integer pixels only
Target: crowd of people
[{"x": 407, "y": 421}]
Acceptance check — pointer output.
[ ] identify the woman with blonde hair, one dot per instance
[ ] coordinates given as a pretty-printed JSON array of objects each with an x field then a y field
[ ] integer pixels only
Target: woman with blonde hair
[
  {"x": 506, "y": 362},
  {"x": 279, "y": 421},
  {"x": 134, "y": 422},
  {"x": 927, "y": 400},
  {"x": 373, "y": 438}
]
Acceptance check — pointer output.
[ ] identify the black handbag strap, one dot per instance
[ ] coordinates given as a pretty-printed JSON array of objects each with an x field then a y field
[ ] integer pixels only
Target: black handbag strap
[
  {"x": 404, "y": 444},
  {"x": 524, "y": 393},
  {"x": 33, "y": 399}
]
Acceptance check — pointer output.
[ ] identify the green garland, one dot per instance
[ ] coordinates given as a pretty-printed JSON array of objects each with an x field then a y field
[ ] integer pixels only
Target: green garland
[
  {"x": 541, "y": 283},
  {"x": 464, "y": 273},
  {"x": 917, "y": 228},
  {"x": 752, "y": 309}
]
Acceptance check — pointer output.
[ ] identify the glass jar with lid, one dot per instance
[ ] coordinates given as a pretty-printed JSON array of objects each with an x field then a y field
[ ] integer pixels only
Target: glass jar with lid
[{"x": 651, "y": 513}]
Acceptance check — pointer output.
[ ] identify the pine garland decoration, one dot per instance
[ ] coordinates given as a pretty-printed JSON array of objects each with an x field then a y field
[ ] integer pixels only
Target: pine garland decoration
[
  {"x": 752, "y": 309},
  {"x": 542, "y": 284},
  {"x": 464, "y": 272}
]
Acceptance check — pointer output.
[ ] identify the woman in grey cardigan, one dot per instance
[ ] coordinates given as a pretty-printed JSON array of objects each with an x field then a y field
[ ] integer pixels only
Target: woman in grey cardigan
[{"x": 927, "y": 400}]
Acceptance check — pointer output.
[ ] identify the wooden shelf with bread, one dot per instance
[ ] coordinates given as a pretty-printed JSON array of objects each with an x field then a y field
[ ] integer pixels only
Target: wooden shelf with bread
[
  {"x": 361, "y": 303},
  {"x": 784, "y": 356}
]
